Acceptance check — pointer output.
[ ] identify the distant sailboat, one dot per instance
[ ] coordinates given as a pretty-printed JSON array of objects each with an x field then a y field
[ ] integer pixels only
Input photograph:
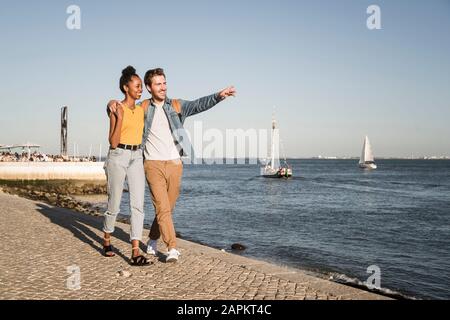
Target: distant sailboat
[
  {"x": 273, "y": 169},
  {"x": 366, "y": 161}
]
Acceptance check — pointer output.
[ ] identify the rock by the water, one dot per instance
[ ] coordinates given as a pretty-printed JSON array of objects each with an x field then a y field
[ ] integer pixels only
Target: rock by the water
[
  {"x": 238, "y": 246},
  {"x": 52, "y": 200}
]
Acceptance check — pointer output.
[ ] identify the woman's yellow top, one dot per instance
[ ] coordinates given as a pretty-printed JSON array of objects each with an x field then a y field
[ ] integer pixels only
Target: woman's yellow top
[{"x": 132, "y": 126}]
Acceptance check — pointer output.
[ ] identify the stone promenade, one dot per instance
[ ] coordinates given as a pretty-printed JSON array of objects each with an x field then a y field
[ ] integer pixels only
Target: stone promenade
[{"x": 43, "y": 247}]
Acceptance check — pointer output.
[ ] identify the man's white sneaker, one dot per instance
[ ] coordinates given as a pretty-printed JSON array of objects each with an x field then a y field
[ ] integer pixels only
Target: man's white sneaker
[
  {"x": 152, "y": 247},
  {"x": 173, "y": 255}
]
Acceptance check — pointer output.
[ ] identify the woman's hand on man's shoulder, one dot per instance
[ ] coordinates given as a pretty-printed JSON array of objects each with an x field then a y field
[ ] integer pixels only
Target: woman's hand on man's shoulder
[{"x": 144, "y": 104}]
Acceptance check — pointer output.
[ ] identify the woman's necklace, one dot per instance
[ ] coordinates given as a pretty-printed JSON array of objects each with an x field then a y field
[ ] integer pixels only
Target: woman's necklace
[{"x": 131, "y": 109}]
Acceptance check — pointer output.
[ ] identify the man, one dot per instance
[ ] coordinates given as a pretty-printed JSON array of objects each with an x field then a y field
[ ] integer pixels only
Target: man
[{"x": 164, "y": 142}]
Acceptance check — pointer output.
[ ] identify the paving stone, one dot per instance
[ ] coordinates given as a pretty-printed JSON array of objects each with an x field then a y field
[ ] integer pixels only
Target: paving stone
[{"x": 43, "y": 247}]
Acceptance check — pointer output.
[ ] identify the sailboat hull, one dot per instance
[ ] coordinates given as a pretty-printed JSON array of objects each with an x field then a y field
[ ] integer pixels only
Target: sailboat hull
[
  {"x": 278, "y": 176},
  {"x": 369, "y": 166},
  {"x": 281, "y": 173}
]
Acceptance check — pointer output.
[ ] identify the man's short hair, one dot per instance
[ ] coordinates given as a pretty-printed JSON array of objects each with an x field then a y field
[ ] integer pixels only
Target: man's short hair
[{"x": 153, "y": 73}]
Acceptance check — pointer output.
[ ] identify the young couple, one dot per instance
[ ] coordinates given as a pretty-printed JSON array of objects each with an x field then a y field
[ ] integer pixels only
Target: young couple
[{"x": 145, "y": 143}]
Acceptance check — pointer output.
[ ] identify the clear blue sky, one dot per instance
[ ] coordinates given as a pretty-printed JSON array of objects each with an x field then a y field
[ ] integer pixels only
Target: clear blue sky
[{"x": 331, "y": 79}]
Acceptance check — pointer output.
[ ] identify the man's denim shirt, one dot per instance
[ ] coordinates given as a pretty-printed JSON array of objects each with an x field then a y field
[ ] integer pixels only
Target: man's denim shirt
[{"x": 188, "y": 108}]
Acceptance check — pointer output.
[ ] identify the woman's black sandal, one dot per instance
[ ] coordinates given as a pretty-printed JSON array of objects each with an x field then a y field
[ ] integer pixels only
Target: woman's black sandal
[
  {"x": 108, "y": 250},
  {"x": 139, "y": 260}
]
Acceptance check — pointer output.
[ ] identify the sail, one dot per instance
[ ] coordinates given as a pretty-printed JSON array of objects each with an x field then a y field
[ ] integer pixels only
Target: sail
[
  {"x": 275, "y": 147},
  {"x": 366, "y": 154},
  {"x": 363, "y": 153},
  {"x": 369, "y": 154}
]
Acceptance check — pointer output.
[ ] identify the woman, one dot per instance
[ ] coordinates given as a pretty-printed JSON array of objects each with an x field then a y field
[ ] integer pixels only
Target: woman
[{"x": 125, "y": 160}]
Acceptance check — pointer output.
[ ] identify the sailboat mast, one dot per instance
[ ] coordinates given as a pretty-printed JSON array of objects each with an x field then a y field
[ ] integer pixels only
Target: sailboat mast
[
  {"x": 363, "y": 152},
  {"x": 273, "y": 144}
]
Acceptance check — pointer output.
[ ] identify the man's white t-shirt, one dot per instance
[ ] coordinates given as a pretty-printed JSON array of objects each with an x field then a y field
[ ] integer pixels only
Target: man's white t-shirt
[{"x": 160, "y": 144}]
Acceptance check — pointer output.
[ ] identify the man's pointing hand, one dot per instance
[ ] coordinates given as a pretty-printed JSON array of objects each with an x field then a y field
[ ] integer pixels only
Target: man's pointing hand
[{"x": 227, "y": 92}]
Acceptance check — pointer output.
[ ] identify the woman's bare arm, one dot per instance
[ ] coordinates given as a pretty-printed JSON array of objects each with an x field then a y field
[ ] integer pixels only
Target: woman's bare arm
[{"x": 115, "y": 126}]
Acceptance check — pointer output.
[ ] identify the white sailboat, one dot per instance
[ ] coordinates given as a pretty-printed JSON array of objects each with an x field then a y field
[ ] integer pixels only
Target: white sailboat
[
  {"x": 272, "y": 168},
  {"x": 366, "y": 161}
]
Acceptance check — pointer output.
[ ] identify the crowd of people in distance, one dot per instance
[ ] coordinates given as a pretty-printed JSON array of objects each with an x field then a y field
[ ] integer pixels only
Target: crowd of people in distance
[{"x": 41, "y": 157}]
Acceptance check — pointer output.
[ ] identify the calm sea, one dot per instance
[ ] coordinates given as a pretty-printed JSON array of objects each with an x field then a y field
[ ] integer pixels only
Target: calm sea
[{"x": 332, "y": 219}]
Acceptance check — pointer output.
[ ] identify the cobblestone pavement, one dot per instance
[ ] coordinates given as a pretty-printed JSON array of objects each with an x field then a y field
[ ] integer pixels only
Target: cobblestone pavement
[{"x": 42, "y": 247}]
